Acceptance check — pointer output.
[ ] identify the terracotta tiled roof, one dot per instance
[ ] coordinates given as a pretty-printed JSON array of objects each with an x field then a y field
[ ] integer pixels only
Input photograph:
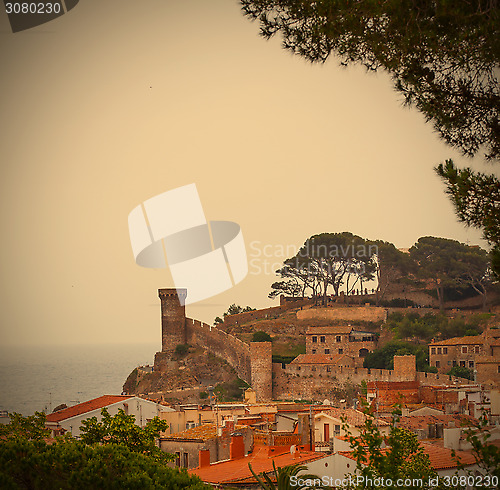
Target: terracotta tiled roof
[
  {"x": 354, "y": 417},
  {"x": 237, "y": 471},
  {"x": 88, "y": 406},
  {"x": 332, "y": 329},
  {"x": 201, "y": 433},
  {"x": 474, "y": 339},
  {"x": 416, "y": 422},
  {"x": 440, "y": 457},
  {"x": 318, "y": 358}
]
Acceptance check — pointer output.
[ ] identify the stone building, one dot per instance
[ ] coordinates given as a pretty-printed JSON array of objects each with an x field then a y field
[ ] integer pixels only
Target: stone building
[
  {"x": 209, "y": 441},
  {"x": 479, "y": 353},
  {"x": 321, "y": 362},
  {"x": 340, "y": 340}
]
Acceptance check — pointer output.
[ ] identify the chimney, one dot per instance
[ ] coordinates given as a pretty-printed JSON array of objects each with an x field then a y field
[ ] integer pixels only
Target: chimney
[
  {"x": 236, "y": 447},
  {"x": 306, "y": 429},
  {"x": 204, "y": 458},
  {"x": 227, "y": 427}
]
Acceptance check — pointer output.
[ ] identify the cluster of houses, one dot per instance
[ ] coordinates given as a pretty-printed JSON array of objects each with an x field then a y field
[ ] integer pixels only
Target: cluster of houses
[
  {"x": 217, "y": 442},
  {"x": 479, "y": 353}
]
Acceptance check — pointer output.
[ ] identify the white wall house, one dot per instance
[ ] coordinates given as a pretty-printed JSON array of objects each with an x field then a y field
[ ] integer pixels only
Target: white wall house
[
  {"x": 328, "y": 426},
  {"x": 70, "y": 419}
]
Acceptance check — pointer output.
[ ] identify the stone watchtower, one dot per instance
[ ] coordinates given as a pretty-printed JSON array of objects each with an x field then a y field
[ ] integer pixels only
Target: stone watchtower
[{"x": 173, "y": 318}]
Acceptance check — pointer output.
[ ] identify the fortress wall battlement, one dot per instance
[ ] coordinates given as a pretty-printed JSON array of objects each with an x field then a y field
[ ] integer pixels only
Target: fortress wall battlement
[
  {"x": 264, "y": 313},
  {"x": 353, "y": 313},
  {"x": 291, "y": 384},
  {"x": 221, "y": 344}
]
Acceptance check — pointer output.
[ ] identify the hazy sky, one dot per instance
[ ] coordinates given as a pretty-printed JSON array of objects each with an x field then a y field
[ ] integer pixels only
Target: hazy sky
[{"x": 118, "y": 101}]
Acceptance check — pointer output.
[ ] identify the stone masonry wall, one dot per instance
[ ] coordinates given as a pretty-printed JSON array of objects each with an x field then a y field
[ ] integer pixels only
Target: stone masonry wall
[
  {"x": 271, "y": 312},
  {"x": 291, "y": 383},
  {"x": 353, "y": 313},
  {"x": 221, "y": 344},
  {"x": 261, "y": 362}
]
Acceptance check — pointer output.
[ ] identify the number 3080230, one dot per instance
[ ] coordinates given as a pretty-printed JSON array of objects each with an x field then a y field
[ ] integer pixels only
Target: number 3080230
[{"x": 33, "y": 8}]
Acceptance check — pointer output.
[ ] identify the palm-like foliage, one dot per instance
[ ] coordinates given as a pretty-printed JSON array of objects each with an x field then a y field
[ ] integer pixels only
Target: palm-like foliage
[{"x": 284, "y": 480}]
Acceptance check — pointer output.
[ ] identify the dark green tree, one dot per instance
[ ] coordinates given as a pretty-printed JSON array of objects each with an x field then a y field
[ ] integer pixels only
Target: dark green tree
[
  {"x": 261, "y": 336},
  {"x": 69, "y": 464},
  {"x": 290, "y": 287},
  {"x": 476, "y": 198},
  {"x": 381, "y": 458},
  {"x": 383, "y": 358},
  {"x": 461, "y": 372},
  {"x": 449, "y": 263},
  {"x": 30, "y": 428},
  {"x": 487, "y": 455},
  {"x": 331, "y": 260},
  {"x": 117, "y": 456},
  {"x": 393, "y": 266},
  {"x": 233, "y": 309},
  {"x": 122, "y": 429},
  {"x": 442, "y": 56}
]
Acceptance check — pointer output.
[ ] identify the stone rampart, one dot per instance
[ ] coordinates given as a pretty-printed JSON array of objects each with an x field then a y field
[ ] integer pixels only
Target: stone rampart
[
  {"x": 261, "y": 363},
  {"x": 272, "y": 312},
  {"x": 352, "y": 313},
  {"x": 220, "y": 344},
  {"x": 314, "y": 382}
]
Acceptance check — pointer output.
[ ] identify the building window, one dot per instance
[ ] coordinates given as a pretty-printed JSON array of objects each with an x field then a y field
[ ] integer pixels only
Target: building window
[
  {"x": 178, "y": 458},
  {"x": 313, "y": 368},
  {"x": 471, "y": 364},
  {"x": 433, "y": 350},
  {"x": 445, "y": 350},
  {"x": 462, "y": 363},
  {"x": 499, "y": 369},
  {"x": 328, "y": 369},
  {"x": 464, "y": 349},
  {"x": 315, "y": 339},
  {"x": 298, "y": 368},
  {"x": 476, "y": 349},
  {"x": 454, "y": 363},
  {"x": 437, "y": 364},
  {"x": 337, "y": 429},
  {"x": 327, "y": 351},
  {"x": 186, "y": 460},
  {"x": 341, "y": 351},
  {"x": 338, "y": 338},
  {"x": 322, "y": 339},
  {"x": 449, "y": 363},
  {"x": 439, "y": 350},
  {"x": 314, "y": 351}
]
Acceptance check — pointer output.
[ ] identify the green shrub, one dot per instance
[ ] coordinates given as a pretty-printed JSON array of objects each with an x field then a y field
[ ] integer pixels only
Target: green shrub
[
  {"x": 261, "y": 336},
  {"x": 182, "y": 349},
  {"x": 461, "y": 372}
]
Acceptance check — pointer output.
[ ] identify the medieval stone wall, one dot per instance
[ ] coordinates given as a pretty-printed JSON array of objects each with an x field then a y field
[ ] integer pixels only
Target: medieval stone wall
[
  {"x": 261, "y": 367},
  {"x": 220, "y": 344},
  {"x": 352, "y": 313},
  {"x": 314, "y": 382},
  {"x": 264, "y": 313}
]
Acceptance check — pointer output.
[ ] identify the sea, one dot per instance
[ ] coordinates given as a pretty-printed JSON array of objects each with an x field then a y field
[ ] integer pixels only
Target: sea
[{"x": 41, "y": 378}]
